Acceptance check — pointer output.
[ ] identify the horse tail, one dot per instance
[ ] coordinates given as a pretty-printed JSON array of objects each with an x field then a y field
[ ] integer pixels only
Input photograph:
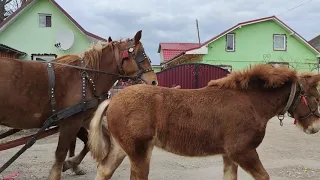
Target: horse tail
[{"x": 99, "y": 138}]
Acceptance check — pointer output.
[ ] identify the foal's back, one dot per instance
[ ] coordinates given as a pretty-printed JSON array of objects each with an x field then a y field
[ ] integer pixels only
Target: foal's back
[{"x": 181, "y": 121}]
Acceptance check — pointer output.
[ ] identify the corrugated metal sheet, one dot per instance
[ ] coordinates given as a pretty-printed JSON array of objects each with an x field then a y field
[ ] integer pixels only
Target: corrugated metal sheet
[
  {"x": 190, "y": 76},
  {"x": 8, "y": 55},
  {"x": 208, "y": 72}
]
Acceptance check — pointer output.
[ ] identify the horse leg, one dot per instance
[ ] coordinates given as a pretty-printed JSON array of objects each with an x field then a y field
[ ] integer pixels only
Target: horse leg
[
  {"x": 73, "y": 162},
  {"x": 67, "y": 134},
  {"x": 111, "y": 162},
  {"x": 140, "y": 161},
  {"x": 230, "y": 169},
  {"x": 250, "y": 162}
]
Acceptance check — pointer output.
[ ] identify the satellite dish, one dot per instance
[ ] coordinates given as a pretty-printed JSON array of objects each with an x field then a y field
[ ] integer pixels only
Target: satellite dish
[{"x": 65, "y": 39}]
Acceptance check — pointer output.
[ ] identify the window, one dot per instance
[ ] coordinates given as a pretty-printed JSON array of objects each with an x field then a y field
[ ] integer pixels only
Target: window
[
  {"x": 43, "y": 57},
  {"x": 279, "y": 64},
  {"x": 45, "y": 20},
  {"x": 230, "y": 42},
  {"x": 279, "y": 42}
]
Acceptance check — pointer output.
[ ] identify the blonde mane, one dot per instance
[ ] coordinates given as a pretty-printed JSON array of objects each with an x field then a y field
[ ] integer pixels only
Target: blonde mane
[
  {"x": 91, "y": 57},
  {"x": 271, "y": 77}
]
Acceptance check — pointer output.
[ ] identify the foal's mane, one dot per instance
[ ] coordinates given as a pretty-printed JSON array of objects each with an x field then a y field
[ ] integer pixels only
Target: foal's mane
[{"x": 261, "y": 75}]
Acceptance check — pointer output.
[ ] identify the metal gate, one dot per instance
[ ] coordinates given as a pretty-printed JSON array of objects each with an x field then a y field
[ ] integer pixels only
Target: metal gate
[{"x": 190, "y": 76}]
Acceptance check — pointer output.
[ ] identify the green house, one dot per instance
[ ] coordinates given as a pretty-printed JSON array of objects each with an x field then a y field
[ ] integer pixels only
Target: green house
[
  {"x": 265, "y": 40},
  {"x": 43, "y": 29}
]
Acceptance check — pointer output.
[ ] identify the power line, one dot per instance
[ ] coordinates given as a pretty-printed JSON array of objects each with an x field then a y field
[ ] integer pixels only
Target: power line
[{"x": 295, "y": 7}]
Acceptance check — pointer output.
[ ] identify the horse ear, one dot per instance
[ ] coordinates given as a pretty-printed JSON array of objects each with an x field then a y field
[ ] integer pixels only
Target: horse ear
[
  {"x": 315, "y": 79},
  {"x": 137, "y": 37},
  {"x": 109, "y": 39}
]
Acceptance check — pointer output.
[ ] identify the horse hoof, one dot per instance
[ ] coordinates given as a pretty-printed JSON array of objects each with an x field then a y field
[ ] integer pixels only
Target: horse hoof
[
  {"x": 66, "y": 165},
  {"x": 79, "y": 171}
]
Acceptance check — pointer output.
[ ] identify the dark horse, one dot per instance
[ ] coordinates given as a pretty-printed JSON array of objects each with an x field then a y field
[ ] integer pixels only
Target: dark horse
[
  {"x": 228, "y": 117},
  {"x": 26, "y": 99}
]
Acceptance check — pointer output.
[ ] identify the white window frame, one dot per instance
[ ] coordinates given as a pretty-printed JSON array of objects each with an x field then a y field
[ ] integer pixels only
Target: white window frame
[
  {"x": 43, "y": 23},
  {"x": 284, "y": 38},
  {"x": 46, "y": 57},
  {"x": 233, "y": 42},
  {"x": 279, "y": 64}
]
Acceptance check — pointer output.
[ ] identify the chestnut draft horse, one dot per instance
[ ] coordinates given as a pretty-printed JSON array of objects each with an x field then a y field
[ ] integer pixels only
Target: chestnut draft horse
[
  {"x": 67, "y": 90},
  {"x": 82, "y": 135},
  {"x": 227, "y": 117}
]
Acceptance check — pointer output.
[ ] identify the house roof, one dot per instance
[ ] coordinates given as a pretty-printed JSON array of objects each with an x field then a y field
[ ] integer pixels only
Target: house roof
[
  {"x": 10, "y": 49},
  {"x": 171, "y": 50},
  {"x": 29, "y": 3},
  {"x": 239, "y": 25}
]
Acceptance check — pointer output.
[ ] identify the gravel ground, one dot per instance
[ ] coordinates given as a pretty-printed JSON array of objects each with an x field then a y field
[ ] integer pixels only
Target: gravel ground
[{"x": 286, "y": 152}]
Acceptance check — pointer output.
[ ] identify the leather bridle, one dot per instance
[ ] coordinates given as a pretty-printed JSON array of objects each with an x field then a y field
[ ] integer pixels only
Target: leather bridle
[
  {"x": 139, "y": 56},
  {"x": 301, "y": 98}
]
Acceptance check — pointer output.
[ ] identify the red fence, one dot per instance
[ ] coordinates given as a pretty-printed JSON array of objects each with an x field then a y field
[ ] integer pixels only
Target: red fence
[{"x": 190, "y": 76}]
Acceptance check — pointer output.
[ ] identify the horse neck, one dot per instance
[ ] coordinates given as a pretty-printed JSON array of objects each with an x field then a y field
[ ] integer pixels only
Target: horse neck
[
  {"x": 269, "y": 103},
  {"x": 107, "y": 64}
]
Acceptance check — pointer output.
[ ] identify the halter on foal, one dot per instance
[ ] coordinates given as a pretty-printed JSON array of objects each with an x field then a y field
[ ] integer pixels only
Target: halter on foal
[{"x": 228, "y": 117}]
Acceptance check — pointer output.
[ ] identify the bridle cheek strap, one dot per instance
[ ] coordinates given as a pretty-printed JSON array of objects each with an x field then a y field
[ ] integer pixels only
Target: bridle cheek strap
[
  {"x": 302, "y": 98},
  {"x": 119, "y": 60}
]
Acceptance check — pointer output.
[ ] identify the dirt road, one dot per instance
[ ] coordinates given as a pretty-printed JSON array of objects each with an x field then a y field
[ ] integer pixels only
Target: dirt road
[{"x": 286, "y": 152}]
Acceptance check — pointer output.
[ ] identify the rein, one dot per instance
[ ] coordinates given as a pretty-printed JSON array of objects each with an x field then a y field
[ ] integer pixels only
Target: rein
[
  {"x": 84, "y": 105},
  {"x": 97, "y": 71},
  {"x": 292, "y": 106}
]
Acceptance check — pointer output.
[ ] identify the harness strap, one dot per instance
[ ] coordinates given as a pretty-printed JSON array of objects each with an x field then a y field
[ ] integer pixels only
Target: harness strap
[
  {"x": 9, "y": 133},
  {"x": 51, "y": 77},
  {"x": 63, "y": 114},
  {"x": 52, "y": 120},
  {"x": 291, "y": 98}
]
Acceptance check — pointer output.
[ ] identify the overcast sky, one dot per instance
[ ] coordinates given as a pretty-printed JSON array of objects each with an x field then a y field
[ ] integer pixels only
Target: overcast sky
[{"x": 175, "y": 20}]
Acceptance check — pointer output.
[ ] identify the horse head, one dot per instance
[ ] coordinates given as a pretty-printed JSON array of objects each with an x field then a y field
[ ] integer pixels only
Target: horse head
[
  {"x": 134, "y": 61},
  {"x": 305, "y": 108}
]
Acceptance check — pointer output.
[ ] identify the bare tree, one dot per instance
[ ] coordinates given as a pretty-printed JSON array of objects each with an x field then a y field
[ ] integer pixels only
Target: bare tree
[{"x": 7, "y": 7}]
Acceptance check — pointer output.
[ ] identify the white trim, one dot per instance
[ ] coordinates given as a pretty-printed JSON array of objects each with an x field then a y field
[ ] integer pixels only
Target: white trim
[
  {"x": 45, "y": 18},
  {"x": 46, "y": 57},
  {"x": 233, "y": 41},
  {"x": 298, "y": 36},
  {"x": 284, "y": 42},
  {"x": 92, "y": 39},
  {"x": 253, "y": 22},
  {"x": 279, "y": 64},
  {"x": 201, "y": 50}
]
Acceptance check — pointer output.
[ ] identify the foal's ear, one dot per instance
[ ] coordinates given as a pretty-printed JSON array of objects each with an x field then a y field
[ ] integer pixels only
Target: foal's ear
[
  {"x": 314, "y": 79},
  {"x": 109, "y": 39},
  {"x": 137, "y": 37}
]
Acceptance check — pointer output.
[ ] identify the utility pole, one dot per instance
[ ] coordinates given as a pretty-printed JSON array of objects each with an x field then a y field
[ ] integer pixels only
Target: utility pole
[{"x": 198, "y": 31}]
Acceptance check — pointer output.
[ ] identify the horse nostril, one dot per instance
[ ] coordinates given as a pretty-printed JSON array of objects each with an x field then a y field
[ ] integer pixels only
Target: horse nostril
[{"x": 154, "y": 83}]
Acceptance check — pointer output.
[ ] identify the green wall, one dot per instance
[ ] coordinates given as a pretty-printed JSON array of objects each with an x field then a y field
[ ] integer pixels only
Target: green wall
[
  {"x": 26, "y": 35},
  {"x": 254, "y": 44},
  {"x": 156, "y": 68}
]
